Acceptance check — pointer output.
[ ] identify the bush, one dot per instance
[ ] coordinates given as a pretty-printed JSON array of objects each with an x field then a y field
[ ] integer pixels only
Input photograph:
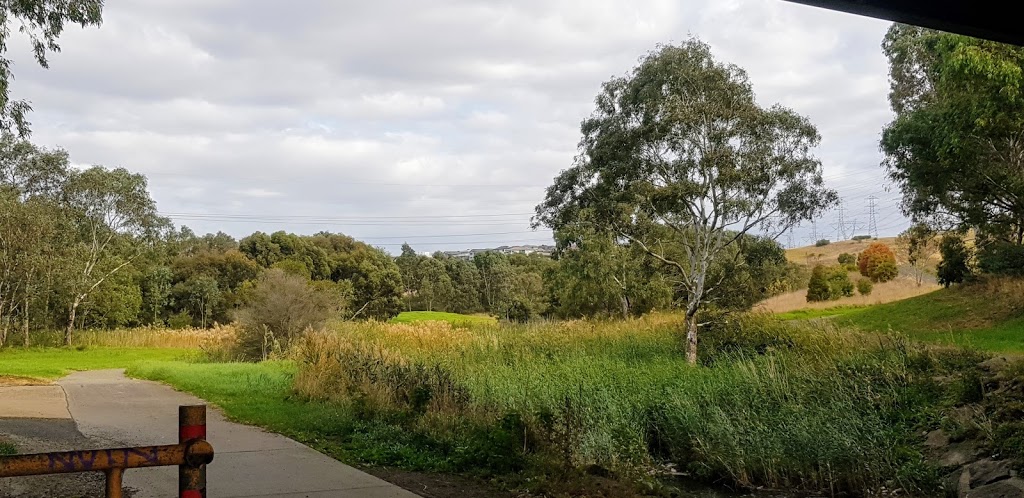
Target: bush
[
  {"x": 955, "y": 265},
  {"x": 829, "y": 283},
  {"x": 1001, "y": 258},
  {"x": 180, "y": 320},
  {"x": 744, "y": 335},
  {"x": 865, "y": 286},
  {"x": 282, "y": 306},
  {"x": 848, "y": 261},
  {"x": 878, "y": 263},
  {"x": 859, "y": 238},
  {"x": 822, "y": 243}
]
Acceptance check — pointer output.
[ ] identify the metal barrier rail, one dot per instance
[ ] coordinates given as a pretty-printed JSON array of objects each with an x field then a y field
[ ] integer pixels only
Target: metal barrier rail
[{"x": 191, "y": 455}]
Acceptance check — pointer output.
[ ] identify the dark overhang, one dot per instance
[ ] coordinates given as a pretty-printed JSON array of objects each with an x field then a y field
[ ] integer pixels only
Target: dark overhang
[{"x": 992, "y": 19}]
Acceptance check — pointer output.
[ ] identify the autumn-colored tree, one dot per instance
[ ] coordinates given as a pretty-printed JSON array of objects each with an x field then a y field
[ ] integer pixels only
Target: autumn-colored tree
[{"x": 878, "y": 263}]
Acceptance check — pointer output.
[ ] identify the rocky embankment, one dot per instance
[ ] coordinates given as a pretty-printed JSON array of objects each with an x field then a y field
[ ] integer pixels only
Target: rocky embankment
[{"x": 980, "y": 445}]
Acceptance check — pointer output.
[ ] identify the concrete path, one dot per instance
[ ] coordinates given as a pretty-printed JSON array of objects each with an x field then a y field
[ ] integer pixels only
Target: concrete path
[{"x": 249, "y": 462}]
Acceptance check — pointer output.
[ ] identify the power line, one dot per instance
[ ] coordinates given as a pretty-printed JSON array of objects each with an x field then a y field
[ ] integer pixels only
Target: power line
[{"x": 284, "y": 216}]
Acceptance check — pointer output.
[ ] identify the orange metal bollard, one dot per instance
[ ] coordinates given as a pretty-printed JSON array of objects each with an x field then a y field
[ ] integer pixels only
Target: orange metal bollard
[
  {"x": 192, "y": 430},
  {"x": 190, "y": 455}
]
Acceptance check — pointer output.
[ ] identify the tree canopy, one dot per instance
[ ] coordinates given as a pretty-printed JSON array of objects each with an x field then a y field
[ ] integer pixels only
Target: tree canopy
[
  {"x": 678, "y": 157},
  {"x": 43, "y": 22},
  {"x": 956, "y": 146}
]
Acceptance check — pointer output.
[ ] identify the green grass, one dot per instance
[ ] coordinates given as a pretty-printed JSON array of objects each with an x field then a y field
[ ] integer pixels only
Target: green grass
[
  {"x": 808, "y": 314},
  {"x": 262, "y": 395},
  {"x": 7, "y": 448},
  {"x": 776, "y": 404},
  {"x": 455, "y": 319},
  {"x": 987, "y": 316},
  {"x": 53, "y": 363}
]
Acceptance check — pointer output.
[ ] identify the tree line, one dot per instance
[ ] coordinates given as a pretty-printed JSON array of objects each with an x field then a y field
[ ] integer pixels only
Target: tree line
[{"x": 87, "y": 248}]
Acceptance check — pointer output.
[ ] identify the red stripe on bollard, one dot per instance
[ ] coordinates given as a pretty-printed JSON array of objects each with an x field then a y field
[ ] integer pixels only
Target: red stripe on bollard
[
  {"x": 192, "y": 432},
  {"x": 191, "y": 494}
]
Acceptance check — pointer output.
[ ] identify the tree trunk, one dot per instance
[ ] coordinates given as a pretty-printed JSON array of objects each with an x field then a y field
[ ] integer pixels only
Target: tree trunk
[
  {"x": 691, "y": 338},
  {"x": 70, "y": 329},
  {"x": 625, "y": 307},
  {"x": 25, "y": 322}
]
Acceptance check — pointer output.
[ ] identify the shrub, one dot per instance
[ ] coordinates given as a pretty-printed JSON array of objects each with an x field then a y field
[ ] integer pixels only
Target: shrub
[
  {"x": 829, "y": 283},
  {"x": 518, "y": 311},
  {"x": 956, "y": 256},
  {"x": 1001, "y": 258},
  {"x": 878, "y": 263},
  {"x": 744, "y": 335},
  {"x": 848, "y": 261},
  {"x": 180, "y": 320},
  {"x": 822, "y": 243},
  {"x": 817, "y": 286},
  {"x": 865, "y": 286},
  {"x": 281, "y": 307},
  {"x": 859, "y": 238}
]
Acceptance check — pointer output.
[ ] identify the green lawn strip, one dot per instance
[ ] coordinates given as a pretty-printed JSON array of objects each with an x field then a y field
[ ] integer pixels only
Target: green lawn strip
[
  {"x": 53, "y": 363},
  {"x": 440, "y": 316}
]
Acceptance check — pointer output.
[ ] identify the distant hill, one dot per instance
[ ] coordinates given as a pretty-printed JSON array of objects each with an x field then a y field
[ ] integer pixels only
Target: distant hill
[{"x": 811, "y": 255}]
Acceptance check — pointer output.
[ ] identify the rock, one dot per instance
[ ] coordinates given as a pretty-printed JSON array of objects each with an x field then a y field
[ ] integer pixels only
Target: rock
[
  {"x": 963, "y": 486},
  {"x": 994, "y": 364},
  {"x": 988, "y": 471},
  {"x": 937, "y": 439},
  {"x": 1009, "y": 488},
  {"x": 959, "y": 454}
]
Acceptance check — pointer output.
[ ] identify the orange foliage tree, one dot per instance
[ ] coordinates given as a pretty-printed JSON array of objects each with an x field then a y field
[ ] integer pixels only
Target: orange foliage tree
[{"x": 878, "y": 263}]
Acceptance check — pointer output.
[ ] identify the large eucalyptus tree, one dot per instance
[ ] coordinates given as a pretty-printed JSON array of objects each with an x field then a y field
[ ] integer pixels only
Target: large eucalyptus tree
[{"x": 679, "y": 159}]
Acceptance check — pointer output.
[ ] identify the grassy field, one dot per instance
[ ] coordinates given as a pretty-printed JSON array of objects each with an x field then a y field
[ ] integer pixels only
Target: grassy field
[
  {"x": 794, "y": 405},
  {"x": 441, "y": 316},
  {"x": 987, "y": 316},
  {"x": 53, "y": 363}
]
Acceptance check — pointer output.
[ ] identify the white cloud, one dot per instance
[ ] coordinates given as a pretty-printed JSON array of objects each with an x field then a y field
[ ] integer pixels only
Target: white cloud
[{"x": 459, "y": 108}]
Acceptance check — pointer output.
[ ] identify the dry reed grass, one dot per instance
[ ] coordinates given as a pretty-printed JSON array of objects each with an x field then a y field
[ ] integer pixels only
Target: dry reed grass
[
  {"x": 901, "y": 288},
  {"x": 220, "y": 336}
]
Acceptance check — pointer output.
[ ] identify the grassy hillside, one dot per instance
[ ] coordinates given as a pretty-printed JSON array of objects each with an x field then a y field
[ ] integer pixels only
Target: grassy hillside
[
  {"x": 988, "y": 316},
  {"x": 811, "y": 255},
  {"x": 440, "y": 316},
  {"x": 901, "y": 288}
]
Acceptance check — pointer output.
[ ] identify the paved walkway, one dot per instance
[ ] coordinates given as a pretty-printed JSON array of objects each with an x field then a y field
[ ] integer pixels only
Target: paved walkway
[{"x": 248, "y": 462}]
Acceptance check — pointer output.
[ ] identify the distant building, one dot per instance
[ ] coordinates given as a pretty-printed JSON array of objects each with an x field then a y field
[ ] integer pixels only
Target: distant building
[{"x": 545, "y": 250}]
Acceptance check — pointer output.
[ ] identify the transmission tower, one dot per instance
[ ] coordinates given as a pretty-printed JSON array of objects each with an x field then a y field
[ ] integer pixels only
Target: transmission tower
[
  {"x": 814, "y": 232},
  {"x": 872, "y": 221},
  {"x": 853, "y": 228},
  {"x": 789, "y": 238},
  {"x": 840, "y": 225}
]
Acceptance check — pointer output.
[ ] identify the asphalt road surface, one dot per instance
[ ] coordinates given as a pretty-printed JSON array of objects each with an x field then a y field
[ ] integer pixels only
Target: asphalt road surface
[{"x": 103, "y": 408}]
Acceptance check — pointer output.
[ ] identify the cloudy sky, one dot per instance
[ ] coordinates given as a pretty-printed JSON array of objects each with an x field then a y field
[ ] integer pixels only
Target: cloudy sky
[{"x": 438, "y": 123}]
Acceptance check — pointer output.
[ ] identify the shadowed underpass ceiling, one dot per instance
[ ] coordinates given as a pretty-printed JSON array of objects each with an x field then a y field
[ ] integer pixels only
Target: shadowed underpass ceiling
[{"x": 991, "y": 19}]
